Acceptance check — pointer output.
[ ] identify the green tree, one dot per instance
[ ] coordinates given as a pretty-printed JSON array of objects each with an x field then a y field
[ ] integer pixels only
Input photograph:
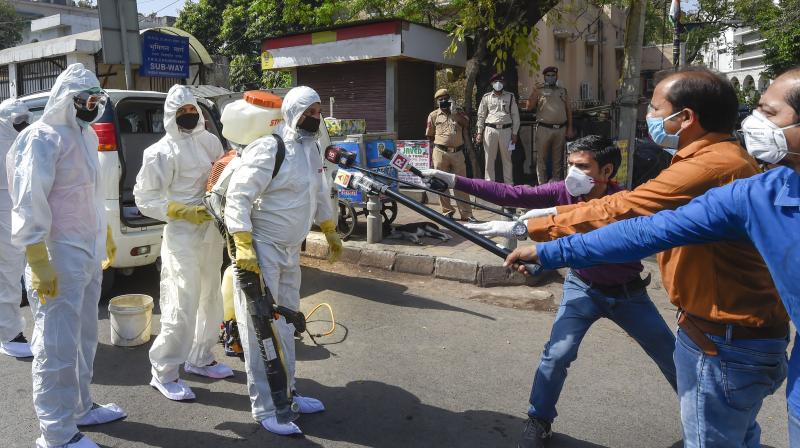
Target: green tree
[
  {"x": 777, "y": 24},
  {"x": 12, "y": 24}
]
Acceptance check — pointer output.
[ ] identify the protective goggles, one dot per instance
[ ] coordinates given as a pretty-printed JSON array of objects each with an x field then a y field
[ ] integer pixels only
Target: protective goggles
[{"x": 90, "y": 99}]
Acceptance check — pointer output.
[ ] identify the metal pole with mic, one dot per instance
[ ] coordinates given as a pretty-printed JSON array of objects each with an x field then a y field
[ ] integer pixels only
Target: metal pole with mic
[
  {"x": 368, "y": 185},
  {"x": 438, "y": 186}
]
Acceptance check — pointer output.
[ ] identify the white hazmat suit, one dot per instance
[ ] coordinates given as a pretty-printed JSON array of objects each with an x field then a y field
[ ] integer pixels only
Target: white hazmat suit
[
  {"x": 12, "y": 259},
  {"x": 175, "y": 170},
  {"x": 279, "y": 213},
  {"x": 57, "y": 199}
]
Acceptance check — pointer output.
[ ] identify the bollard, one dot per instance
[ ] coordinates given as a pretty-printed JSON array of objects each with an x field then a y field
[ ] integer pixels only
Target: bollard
[
  {"x": 374, "y": 226},
  {"x": 511, "y": 243}
]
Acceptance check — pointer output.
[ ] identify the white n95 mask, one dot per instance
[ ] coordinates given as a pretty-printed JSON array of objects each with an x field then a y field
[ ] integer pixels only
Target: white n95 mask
[
  {"x": 578, "y": 183},
  {"x": 764, "y": 139}
]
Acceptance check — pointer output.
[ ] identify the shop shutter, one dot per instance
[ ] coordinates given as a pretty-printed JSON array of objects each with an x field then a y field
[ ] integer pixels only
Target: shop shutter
[{"x": 359, "y": 89}]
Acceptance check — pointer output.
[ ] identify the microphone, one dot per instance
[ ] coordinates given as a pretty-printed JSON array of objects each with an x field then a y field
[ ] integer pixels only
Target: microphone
[
  {"x": 340, "y": 156},
  {"x": 402, "y": 163}
]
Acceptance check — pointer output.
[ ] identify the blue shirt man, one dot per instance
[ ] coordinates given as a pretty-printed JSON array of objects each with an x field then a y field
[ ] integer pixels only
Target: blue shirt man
[{"x": 764, "y": 209}]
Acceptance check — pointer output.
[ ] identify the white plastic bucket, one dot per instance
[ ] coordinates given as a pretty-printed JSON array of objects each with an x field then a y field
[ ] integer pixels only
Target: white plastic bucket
[{"x": 130, "y": 316}]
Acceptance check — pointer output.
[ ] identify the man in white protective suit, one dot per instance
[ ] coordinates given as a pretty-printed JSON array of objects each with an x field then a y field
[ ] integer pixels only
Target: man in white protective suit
[
  {"x": 58, "y": 217},
  {"x": 14, "y": 117},
  {"x": 269, "y": 218},
  {"x": 170, "y": 187}
]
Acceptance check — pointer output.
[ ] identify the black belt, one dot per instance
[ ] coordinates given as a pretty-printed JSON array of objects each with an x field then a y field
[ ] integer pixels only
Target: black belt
[
  {"x": 633, "y": 286},
  {"x": 551, "y": 126},
  {"x": 499, "y": 126},
  {"x": 447, "y": 148}
]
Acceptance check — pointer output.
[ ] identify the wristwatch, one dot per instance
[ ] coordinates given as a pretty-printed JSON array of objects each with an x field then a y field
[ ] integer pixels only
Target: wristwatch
[{"x": 520, "y": 230}]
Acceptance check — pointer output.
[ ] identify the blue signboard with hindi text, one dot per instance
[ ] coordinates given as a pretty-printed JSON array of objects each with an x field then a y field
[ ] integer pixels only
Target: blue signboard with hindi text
[{"x": 164, "y": 55}]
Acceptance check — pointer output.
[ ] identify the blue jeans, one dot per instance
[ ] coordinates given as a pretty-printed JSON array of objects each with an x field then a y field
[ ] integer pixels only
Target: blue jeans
[
  {"x": 794, "y": 430},
  {"x": 721, "y": 395},
  {"x": 580, "y": 307}
]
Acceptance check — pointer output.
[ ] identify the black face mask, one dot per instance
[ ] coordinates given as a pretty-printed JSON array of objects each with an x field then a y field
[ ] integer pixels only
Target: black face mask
[
  {"x": 187, "y": 121},
  {"x": 310, "y": 124},
  {"x": 444, "y": 104},
  {"x": 20, "y": 126},
  {"x": 87, "y": 116}
]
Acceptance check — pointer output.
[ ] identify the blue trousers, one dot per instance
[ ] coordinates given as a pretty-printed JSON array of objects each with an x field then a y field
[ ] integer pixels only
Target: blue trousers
[
  {"x": 721, "y": 395},
  {"x": 580, "y": 307}
]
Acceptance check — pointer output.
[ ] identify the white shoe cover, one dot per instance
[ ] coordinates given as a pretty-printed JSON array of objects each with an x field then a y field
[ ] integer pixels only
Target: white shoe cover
[
  {"x": 308, "y": 405},
  {"x": 283, "y": 429},
  {"x": 84, "y": 442},
  {"x": 175, "y": 390},
  {"x": 16, "y": 349},
  {"x": 215, "y": 370},
  {"x": 101, "y": 414}
]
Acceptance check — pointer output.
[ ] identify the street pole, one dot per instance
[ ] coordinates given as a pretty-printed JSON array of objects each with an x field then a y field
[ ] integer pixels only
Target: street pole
[
  {"x": 631, "y": 68},
  {"x": 123, "y": 30},
  {"x": 676, "y": 38}
]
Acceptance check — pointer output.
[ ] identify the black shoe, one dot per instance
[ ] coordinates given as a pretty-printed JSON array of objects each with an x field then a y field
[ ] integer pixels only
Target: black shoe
[
  {"x": 450, "y": 214},
  {"x": 20, "y": 338},
  {"x": 536, "y": 433}
]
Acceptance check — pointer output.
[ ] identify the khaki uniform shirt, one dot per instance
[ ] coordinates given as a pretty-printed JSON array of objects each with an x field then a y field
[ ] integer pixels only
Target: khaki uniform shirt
[
  {"x": 498, "y": 109},
  {"x": 552, "y": 105},
  {"x": 444, "y": 129}
]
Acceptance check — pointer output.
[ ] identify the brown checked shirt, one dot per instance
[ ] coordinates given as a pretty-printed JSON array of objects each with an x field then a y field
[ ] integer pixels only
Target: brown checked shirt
[{"x": 725, "y": 282}]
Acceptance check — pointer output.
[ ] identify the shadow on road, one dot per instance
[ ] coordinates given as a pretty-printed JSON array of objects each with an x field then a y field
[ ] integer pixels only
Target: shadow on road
[
  {"x": 376, "y": 414},
  {"x": 315, "y": 280}
]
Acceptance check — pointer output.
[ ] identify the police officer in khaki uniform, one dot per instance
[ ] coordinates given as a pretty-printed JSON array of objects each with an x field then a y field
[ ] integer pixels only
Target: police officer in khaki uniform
[
  {"x": 498, "y": 125},
  {"x": 553, "y": 125},
  {"x": 445, "y": 130}
]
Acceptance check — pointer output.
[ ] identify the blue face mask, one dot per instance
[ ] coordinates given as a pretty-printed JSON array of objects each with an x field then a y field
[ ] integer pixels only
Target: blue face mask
[{"x": 655, "y": 126}]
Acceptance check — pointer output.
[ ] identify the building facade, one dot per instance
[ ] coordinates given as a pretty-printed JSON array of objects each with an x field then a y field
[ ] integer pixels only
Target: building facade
[{"x": 738, "y": 53}]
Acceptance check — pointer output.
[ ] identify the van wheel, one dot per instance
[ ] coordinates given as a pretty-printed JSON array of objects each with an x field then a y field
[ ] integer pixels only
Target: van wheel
[{"x": 108, "y": 282}]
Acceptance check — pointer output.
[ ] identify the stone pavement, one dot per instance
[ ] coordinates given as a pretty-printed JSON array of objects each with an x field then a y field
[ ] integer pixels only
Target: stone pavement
[{"x": 457, "y": 259}]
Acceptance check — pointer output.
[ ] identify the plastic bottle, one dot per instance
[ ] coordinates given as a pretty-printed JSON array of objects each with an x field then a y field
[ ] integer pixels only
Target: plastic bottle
[{"x": 254, "y": 116}]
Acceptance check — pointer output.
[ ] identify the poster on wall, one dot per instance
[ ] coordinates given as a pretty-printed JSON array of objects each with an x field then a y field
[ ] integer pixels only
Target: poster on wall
[{"x": 418, "y": 153}]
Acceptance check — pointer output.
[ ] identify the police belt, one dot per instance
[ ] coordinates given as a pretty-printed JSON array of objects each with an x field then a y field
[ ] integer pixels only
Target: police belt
[
  {"x": 446, "y": 148},
  {"x": 633, "y": 286},
  {"x": 551, "y": 126},
  {"x": 498, "y": 125}
]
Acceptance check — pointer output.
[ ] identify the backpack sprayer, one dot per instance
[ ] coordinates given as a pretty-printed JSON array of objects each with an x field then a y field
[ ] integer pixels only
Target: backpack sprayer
[{"x": 252, "y": 117}]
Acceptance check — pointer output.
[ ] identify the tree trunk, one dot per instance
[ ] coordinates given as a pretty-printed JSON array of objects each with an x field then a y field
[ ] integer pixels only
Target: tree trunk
[
  {"x": 629, "y": 95},
  {"x": 470, "y": 106}
]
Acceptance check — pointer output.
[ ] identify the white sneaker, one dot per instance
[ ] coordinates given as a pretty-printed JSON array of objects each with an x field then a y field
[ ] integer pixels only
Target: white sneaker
[
  {"x": 19, "y": 347},
  {"x": 100, "y": 414},
  {"x": 174, "y": 390},
  {"x": 308, "y": 405},
  {"x": 79, "y": 441},
  {"x": 283, "y": 429},
  {"x": 215, "y": 370}
]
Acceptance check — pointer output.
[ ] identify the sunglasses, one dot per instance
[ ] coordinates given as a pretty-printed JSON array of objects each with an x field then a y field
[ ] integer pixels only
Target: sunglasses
[{"x": 90, "y": 99}]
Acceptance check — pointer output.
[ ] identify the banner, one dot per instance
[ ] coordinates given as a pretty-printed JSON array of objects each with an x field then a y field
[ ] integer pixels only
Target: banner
[{"x": 418, "y": 152}]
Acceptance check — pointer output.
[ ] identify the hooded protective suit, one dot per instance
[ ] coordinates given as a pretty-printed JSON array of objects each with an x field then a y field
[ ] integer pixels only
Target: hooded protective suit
[
  {"x": 57, "y": 198},
  {"x": 279, "y": 213},
  {"x": 12, "y": 259},
  {"x": 175, "y": 170}
]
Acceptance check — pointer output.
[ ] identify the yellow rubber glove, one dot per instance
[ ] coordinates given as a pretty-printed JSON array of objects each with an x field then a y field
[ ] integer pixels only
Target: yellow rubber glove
[
  {"x": 228, "y": 310},
  {"x": 111, "y": 249},
  {"x": 334, "y": 242},
  {"x": 195, "y": 214},
  {"x": 245, "y": 254},
  {"x": 43, "y": 277}
]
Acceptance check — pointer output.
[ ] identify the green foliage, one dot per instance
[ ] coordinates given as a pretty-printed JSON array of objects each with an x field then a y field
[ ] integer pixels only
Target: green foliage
[
  {"x": 777, "y": 24},
  {"x": 12, "y": 24},
  {"x": 507, "y": 26}
]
